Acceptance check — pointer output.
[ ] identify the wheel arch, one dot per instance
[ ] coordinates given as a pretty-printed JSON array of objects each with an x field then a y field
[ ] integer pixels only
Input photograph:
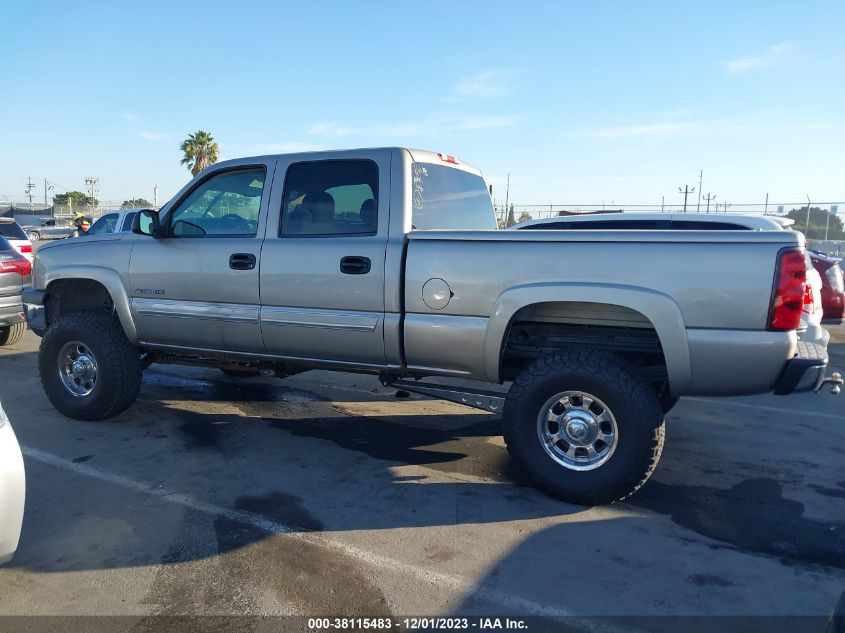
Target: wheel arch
[
  {"x": 660, "y": 310},
  {"x": 89, "y": 286}
]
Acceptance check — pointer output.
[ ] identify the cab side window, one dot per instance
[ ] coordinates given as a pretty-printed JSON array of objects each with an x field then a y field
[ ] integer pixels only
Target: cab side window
[
  {"x": 330, "y": 197},
  {"x": 227, "y": 204}
]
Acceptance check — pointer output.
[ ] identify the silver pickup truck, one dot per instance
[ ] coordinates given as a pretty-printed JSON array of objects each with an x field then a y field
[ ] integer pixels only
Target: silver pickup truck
[{"x": 388, "y": 261}]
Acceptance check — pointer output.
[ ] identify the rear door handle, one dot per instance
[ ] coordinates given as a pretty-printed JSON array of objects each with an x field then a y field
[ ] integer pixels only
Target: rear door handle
[
  {"x": 355, "y": 265},
  {"x": 242, "y": 261}
]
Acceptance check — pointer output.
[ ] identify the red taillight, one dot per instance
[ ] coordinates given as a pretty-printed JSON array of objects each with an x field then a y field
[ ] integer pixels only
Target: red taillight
[
  {"x": 790, "y": 291},
  {"x": 447, "y": 159},
  {"x": 20, "y": 266},
  {"x": 26, "y": 248}
]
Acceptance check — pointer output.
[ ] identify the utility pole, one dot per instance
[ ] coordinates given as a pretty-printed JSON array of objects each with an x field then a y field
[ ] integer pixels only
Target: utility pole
[
  {"x": 700, "y": 179},
  {"x": 708, "y": 198},
  {"x": 155, "y": 195},
  {"x": 827, "y": 225},
  {"x": 766, "y": 208},
  {"x": 508, "y": 193},
  {"x": 29, "y": 187},
  {"x": 807, "y": 225},
  {"x": 662, "y": 203},
  {"x": 686, "y": 191}
]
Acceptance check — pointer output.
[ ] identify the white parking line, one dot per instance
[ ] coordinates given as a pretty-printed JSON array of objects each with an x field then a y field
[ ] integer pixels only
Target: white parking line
[
  {"x": 451, "y": 582},
  {"x": 803, "y": 412}
]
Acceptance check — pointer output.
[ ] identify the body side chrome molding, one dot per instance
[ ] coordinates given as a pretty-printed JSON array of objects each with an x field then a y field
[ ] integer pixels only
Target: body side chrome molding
[
  {"x": 230, "y": 312},
  {"x": 328, "y": 319}
]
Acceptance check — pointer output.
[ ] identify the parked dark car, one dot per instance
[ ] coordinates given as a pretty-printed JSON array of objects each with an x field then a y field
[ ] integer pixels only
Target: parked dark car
[
  {"x": 833, "y": 287},
  {"x": 15, "y": 274}
]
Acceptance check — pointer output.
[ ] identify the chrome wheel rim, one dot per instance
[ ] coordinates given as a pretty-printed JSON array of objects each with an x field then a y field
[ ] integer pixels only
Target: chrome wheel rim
[
  {"x": 77, "y": 368},
  {"x": 577, "y": 430}
]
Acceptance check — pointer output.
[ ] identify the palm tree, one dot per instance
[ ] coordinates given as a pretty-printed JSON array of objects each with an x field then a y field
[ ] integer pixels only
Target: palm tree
[{"x": 199, "y": 151}]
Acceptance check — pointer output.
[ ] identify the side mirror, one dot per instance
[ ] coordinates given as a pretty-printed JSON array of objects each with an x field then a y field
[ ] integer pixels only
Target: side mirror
[{"x": 146, "y": 222}]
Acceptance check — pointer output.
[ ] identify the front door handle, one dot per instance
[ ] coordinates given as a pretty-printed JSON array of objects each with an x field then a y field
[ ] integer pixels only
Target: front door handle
[
  {"x": 242, "y": 261},
  {"x": 355, "y": 265}
]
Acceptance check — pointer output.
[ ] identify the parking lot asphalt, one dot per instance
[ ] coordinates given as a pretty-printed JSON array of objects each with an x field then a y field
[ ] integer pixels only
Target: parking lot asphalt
[{"x": 326, "y": 494}]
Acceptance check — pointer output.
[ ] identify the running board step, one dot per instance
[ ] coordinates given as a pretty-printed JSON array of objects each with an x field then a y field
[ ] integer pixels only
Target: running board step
[{"x": 492, "y": 401}]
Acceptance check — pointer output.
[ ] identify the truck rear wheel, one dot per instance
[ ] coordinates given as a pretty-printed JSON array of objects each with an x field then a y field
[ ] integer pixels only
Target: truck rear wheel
[
  {"x": 585, "y": 425},
  {"x": 89, "y": 369},
  {"x": 11, "y": 334}
]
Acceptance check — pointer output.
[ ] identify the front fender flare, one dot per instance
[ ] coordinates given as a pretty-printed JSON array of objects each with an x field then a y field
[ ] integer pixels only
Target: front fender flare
[
  {"x": 660, "y": 309},
  {"x": 113, "y": 284}
]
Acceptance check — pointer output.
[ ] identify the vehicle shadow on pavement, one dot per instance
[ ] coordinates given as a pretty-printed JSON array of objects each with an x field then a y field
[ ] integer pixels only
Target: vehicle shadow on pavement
[{"x": 271, "y": 453}]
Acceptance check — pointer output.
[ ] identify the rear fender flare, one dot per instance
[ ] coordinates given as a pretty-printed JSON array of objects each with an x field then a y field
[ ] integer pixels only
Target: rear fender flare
[{"x": 660, "y": 309}]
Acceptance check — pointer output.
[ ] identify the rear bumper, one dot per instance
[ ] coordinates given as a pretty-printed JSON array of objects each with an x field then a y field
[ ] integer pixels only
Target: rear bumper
[
  {"x": 804, "y": 372},
  {"x": 11, "y": 310},
  {"x": 34, "y": 302}
]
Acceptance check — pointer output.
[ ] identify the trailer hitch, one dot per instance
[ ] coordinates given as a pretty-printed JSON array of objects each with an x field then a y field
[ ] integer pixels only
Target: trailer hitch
[{"x": 834, "y": 380}]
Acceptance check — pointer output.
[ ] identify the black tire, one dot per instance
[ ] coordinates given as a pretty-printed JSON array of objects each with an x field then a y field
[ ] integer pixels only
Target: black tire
[
  {"x": 11, "y": 334},
  {"x": 241, "y": 372},
  {"x": 75, "y": 233},
  {"x": 632, "y": 402},
  {"x": 118, "y": 362},
  {"x": 33, "y": 236}
]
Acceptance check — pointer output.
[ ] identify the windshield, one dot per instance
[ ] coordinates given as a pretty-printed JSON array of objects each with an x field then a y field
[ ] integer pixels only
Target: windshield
[{"x": 449, "y": 198}]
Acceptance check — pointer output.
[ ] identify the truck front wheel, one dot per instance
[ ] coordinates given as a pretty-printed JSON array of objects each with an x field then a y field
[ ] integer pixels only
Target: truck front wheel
[
  {"x": 585, "y": 425},
  {"x": 89, "y": 369}
]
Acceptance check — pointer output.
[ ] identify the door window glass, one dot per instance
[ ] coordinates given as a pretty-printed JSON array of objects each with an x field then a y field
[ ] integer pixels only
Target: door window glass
[
  {"x": 225, "y": 204},
  {"x": 331, "y": 197}
]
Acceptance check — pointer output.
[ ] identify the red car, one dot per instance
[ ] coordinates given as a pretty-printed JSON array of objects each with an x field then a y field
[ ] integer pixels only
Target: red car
[{"x": 833, "y": 288}]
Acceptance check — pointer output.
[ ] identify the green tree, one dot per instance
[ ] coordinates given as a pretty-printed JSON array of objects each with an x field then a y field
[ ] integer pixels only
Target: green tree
[
  {"x": 76, "y": 198},
  {"x": 136, "y": 203},
  {"x": 511, "y": 220},
  {"x": 199, "y": 151},
  {"x": 818, "y": 223}
]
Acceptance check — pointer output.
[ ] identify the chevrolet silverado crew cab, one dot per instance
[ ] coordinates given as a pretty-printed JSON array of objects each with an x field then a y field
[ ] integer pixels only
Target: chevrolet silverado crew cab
[{"x": 388, "y": 261}]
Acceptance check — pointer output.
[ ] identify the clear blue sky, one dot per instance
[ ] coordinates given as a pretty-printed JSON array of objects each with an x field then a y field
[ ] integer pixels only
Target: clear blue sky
[{"x": 578, "y": 101}]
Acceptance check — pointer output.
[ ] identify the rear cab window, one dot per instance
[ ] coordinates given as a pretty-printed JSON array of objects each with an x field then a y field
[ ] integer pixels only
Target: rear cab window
[
  {"x": 450, "y": 198},
  {"x": 12, "y": 231}
]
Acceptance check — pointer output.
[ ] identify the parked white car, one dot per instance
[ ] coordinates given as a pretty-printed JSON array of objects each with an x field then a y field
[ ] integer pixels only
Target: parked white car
[
  {"x": 810, "y": 330},
  {"x": 12, "y": 489}
]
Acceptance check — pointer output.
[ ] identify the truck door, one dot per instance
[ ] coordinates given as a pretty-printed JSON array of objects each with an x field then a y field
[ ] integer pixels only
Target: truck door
[
  {"x": 322, "y": 264},
  {"x": 198, "y": 286}
]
